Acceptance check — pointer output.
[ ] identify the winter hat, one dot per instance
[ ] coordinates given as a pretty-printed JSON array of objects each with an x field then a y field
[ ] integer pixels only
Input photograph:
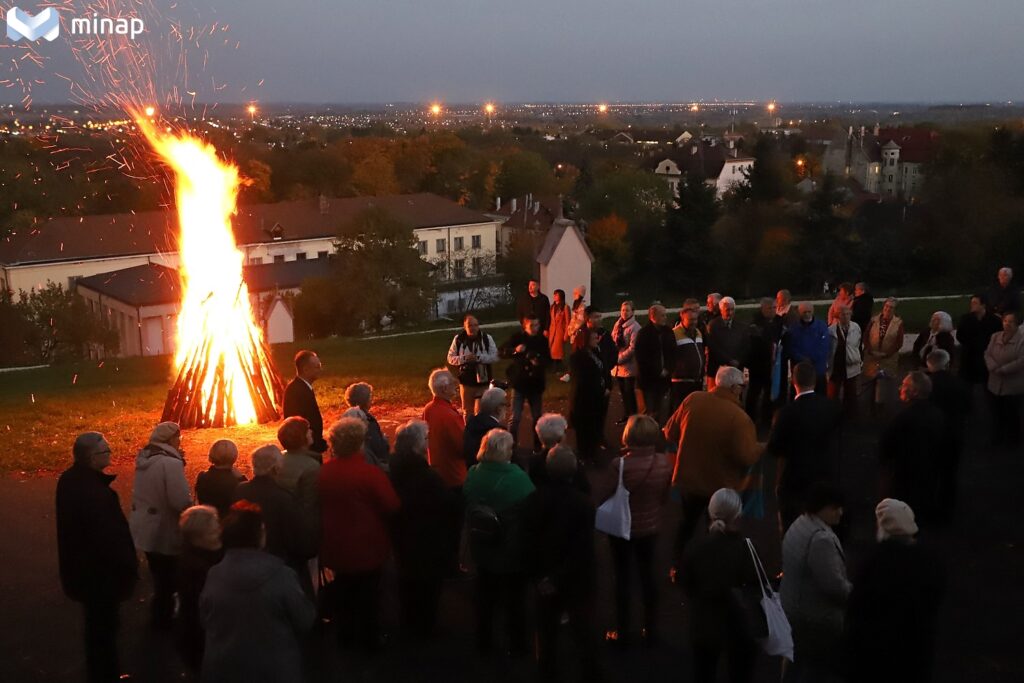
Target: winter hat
[
  {"x": 164, "y": 432},
  {"x": 895, "y": 518}
]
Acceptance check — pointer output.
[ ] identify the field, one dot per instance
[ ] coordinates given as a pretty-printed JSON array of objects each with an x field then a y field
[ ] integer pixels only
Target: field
[{"x": 42, "y": 410}]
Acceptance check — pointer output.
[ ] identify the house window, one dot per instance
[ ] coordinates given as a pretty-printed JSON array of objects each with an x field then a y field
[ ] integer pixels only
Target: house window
[
  {"x": 279, "y": 258},
  {"x": 255, "y": 260},
  {"x": 452, "y": 305},
  {"x": 423, "y": 247},
  {"x": 321, "y": 254},
  {"x": 460, "y": 268},
  {"x": 478, "y": 266},
  {"x": 459, "y": 244},
  {"x": 890, "y": 177},
  {"x": 301, "y": 256},
  {"x": 892, "y": 161},
  {"x": 440, "y": 246},
  {"x": 476, "y": 241}
]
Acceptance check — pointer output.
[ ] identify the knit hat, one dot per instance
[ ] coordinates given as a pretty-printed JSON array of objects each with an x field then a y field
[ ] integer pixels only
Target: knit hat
[
  {"x": 164, "y": 432},
  {"x": 895, "y": 518}
]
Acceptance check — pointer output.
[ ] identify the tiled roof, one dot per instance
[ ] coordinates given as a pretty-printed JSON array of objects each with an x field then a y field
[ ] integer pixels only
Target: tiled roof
[{"x": 87, "y": 237}]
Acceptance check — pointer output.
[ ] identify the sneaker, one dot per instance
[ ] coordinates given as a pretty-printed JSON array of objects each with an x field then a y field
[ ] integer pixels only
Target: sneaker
[{"x": 565, "y": 378}]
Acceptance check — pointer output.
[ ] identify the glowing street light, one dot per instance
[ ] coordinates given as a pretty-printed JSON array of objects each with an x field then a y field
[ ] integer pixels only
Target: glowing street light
[
  {"x": 252, "y": 111},
  {"x": 435, "y": 109},
  {"x": 771, "y": 107},
  {"x": 489, "y": 108},
  {"x": 694, "y": 108},
  {"x": 602, "y": 108}
]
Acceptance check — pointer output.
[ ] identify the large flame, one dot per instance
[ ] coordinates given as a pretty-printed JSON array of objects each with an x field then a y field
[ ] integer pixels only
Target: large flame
[{"x": 224, "y": 372}]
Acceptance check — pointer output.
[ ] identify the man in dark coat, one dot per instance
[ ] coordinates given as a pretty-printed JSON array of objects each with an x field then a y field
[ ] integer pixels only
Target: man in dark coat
[
  {"x": 765, "y": 332},
  {"x": 974, "y": 332},
  {"x": 557, "y": 525},
  {"x": 804, "y": 439},
  {"x": 98, "y": 566},
  {"x": 606, "y": 351},
  {"x": 490, "y": 416},
  {"x": 289, "y": 535},
  {"x": 861, "y": 305},
  {"x": 712, "y": 312},
  {"x": 911, "y": 448},
  {"x": 655, "y": 350},
  {"x": 953, "y": 397},
  {"x": 421, "y": 527},
  {"x": 727, "y": 342},
  {"x": 531, "y": 357},
  {"x": 300, "y": 400},
  {"x": 1005, "y": 296},
  {"x": 535, "y": 304}
]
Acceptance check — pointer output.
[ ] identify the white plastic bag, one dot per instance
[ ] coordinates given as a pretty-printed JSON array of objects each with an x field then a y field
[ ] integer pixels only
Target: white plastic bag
[
  {"x": 613, "y": 516},
  {"x": 779, "y": 642}
]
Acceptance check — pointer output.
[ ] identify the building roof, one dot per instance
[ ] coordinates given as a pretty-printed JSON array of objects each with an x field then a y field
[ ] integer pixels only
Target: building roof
[
  {"x": 153, "y": 284},
  {"x": 534, "y": 213},
  {"x": 700, "y": 158},
  {"x": 150, "y": 232},
  {"x": 554, "y": 238},
  {"x": 916, "y": 144}
]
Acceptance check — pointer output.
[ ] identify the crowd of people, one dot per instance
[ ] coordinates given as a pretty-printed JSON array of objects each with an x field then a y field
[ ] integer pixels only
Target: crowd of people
[{"x": 243, "y": 570}]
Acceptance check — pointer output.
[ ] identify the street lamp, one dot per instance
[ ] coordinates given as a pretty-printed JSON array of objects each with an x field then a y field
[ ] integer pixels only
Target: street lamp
[
  {"x": 252, "y": 111},
  {"x": 435, "y": 109},
  {"x": 602, "y": 108}
]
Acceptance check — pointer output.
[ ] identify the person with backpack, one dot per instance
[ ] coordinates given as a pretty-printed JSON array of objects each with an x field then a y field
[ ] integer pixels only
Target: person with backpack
[
  {"x": 471, "y": 355},
  {"x": 494, "y": 492}
]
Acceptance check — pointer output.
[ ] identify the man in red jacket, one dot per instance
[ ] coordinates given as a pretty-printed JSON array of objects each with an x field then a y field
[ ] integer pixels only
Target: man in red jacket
[{"x": 357, "y": 502}]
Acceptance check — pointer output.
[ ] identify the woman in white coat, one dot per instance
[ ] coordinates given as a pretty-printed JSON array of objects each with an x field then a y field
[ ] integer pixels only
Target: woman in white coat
[
  {"x": 159, "y": 496},
  {"x": 844, "y": 363}
]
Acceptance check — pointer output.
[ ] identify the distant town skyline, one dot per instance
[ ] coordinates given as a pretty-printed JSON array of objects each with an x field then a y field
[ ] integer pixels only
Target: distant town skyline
[{"x": 457, "y": 51}]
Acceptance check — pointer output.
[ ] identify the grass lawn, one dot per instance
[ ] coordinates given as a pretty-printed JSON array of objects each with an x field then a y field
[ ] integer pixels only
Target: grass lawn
[{"x": 42, "y": 410}]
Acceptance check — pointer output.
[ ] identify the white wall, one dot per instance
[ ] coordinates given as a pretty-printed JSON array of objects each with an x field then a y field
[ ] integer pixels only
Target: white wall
[
  {"x": 280, "y": 327},
  {"x": 35, "y": 276},
  {"x": 569, "y": 267},
  {"x": 732, "y": 173}
]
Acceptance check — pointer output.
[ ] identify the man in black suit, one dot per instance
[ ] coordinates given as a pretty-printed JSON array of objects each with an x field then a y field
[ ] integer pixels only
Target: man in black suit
[
  {"x": 534, "y": 304},
  {"x": 655, "y": 358},
  {"x": 953, "y": 397},
  {"x": 300, "y": 400},
  {"x": 803, "y": 439}
]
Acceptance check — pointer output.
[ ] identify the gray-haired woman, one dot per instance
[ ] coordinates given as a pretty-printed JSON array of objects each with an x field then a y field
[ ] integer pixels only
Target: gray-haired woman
[{"x": 713, "y": 566}]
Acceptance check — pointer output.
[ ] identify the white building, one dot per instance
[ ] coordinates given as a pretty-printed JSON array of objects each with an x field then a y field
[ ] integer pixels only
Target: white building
[
  {"x": 565, "y": 260},
  {"x": 888, "y": 162},
  {"x": 719, "y": 165}
]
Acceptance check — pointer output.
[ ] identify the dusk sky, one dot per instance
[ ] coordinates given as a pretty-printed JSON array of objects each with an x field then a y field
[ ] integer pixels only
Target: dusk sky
[{"x": 591, "y": 50}]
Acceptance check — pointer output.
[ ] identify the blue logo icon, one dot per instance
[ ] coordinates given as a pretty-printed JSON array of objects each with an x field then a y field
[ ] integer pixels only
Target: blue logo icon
[{"x": 21, "y": 24}]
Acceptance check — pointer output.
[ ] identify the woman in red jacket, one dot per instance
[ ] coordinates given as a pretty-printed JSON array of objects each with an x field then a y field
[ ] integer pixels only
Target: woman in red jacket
[{"x": 356, "y": 503}]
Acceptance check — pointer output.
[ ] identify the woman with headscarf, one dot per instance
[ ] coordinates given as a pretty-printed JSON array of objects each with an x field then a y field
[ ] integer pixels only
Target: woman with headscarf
[
  {"x": 939, "y": 335},
  {"x": 159, "y": 495},
  {"x": 893, "y": 609},
  {"x": 712, "y": 568}
]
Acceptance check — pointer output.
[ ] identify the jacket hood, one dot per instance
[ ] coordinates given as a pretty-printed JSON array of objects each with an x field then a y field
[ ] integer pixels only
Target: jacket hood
[
  {"x": 152, "y": 453},
  {"x": 250, "y": 569}
]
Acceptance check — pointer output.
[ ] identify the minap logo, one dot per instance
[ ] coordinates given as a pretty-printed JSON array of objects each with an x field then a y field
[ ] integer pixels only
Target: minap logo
[
  {"x": 21, "y": 24},
  {"x": 46, "y": 25}
]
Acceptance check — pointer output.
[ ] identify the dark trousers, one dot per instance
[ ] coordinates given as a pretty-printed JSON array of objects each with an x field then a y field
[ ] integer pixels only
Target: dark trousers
[
  {"x": 623, "y": 552},
  {"x": 845, "y": 390},
  {"x": 507, "y": 593},
  {"x": 1005, "y": 420},
  {"x": 163, "y": 569},
  {"x": 627, "y": 389},
  {"x": 678, "y": 393},
  {"x": 589, "y": 431},
  {"x": 579, "y": 608},
  {"x": 419, "y": 597},
  {"x": 101, "y": 624},
  {"x": 694, "y": 508},
  {"x": 356, "y": 598},
  {"x": 759, "y": 398},
  {"x": 654, "y": 403},
  {"x": 740, "y": 655},
  {"x": 519, "y": 399}
]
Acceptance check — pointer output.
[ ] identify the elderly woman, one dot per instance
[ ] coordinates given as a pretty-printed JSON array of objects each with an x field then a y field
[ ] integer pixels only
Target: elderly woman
[
  {"x": 939, "y": 335},
  {"x": 444, "y": 449},
  {"x": 712, "y": 567},
  {"x": 421, "y": 529},
  {"x": 357, "y": 504},
  {"x": 159, "y": 496},
  {"x": 588, "y": 394},
  {"x": 289, "y": 531},
  {"x": 491, "y": 415},
  {"x": 494, "y": 492},
  {"x": 360, "y": 395},
  {"x": 814, "y": 584},
  {"x": 252, "y": 608},
  {"x": 201, "y": 549},
  {"x": 1004, "y": 359},
  {"x": 551, "y": 428},
  {"x": 216, "y": 486},
  {"x": 301, "y": 465},
  {"x": 647, "y": 475},
  {"x": 893, "y": 610},
  {"x": 882, "y": 343}
]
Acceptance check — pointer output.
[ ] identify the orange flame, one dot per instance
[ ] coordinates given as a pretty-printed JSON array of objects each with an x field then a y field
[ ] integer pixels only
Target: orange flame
[{"x": 220, "y": 356}]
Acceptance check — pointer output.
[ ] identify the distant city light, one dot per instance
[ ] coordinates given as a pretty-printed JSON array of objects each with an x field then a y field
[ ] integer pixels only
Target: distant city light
[
  {"x": 489, "y": 108},
  {"x": 602, "y": 108},
  {"x": 435, "y": 109},
  {"x": 771, "y": 107},
  {"x": 251, "y": 109},
  {"x": 694, "y": 107}
]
